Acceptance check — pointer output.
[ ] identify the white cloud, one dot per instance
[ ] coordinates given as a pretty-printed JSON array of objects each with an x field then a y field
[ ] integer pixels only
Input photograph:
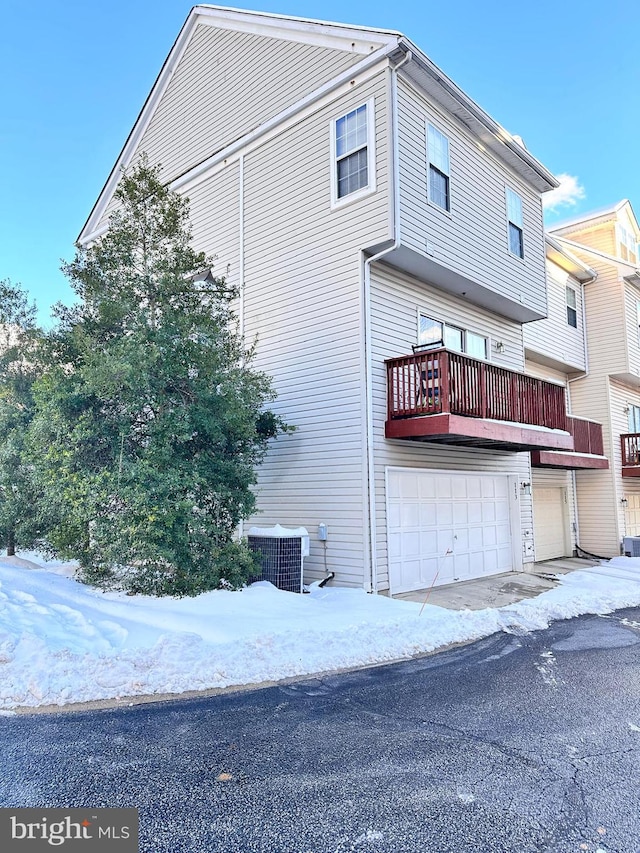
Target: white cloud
[{"x": 567, "y": 194}]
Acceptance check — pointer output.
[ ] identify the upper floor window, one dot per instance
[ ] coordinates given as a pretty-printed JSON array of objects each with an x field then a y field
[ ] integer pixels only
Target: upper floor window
[
  {"x": 353, "y": 170},
  {"x": 436, "y": 333},
  {"x": 627, "y": 244},
  {"x": 572, "y": 312},
  {"x": 514, "y": 220},
  {"x": 438, "y": 159}
]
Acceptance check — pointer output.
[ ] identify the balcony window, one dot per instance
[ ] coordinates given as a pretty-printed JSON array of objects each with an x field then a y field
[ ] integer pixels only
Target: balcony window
[{"x": 434, "y": 333}]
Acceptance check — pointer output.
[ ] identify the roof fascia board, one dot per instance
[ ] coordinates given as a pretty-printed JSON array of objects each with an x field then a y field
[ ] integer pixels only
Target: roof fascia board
[
  {"x": 481, "y": 123},
  {"x": 591, "y": 220},
  {"x": 362, "y": 71},
  {"x": 567, "y": 261},
  {"x": 610, "y": 259},
  {"x": 320, "y": 33}
]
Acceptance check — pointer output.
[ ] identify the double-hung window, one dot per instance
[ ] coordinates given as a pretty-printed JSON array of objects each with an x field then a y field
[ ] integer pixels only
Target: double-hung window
[
  {"x": 353, "y": 170},
  {"x": 438, "y": 159},
  {"x": 572, "y": 312},
  {"x": 514, "y": 223}
]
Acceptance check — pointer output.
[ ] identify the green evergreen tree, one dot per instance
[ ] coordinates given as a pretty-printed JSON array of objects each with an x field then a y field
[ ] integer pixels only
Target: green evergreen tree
[
  {"x": 152, "y": 422},
  {"x": 19, "y": 365}
]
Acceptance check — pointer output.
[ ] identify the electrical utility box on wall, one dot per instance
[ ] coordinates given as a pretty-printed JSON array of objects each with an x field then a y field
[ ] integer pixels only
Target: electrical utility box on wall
[{"x": 282, "y": 551}]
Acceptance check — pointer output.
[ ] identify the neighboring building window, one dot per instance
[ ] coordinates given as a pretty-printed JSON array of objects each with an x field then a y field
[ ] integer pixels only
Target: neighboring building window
[
  {"x": 634, "y": 418},
  {"x": 628, "y": 246},
  {"x": 435, "y": 333},
  {"x": 514, "y": 219},
  {"x": 572, "y": 313},
  {"x": 353, "y": 169},
  {"x": 438, "y": 158}
]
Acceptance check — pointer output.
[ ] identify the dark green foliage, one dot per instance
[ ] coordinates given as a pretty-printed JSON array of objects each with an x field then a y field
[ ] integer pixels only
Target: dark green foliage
[
  {"x": 19, "y": 365},
  {"x": 151, "y": 423}
]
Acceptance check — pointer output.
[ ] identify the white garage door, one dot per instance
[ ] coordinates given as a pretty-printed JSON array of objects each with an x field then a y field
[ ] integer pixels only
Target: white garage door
[
  {"x": 549, "y": 522},
  {"x": 446, "y": 527}
]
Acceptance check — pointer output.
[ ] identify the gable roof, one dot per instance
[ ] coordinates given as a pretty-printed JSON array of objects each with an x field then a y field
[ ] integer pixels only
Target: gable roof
[
  {"x": 370, "y": 45},
  {"x": 594, "y": 218}
]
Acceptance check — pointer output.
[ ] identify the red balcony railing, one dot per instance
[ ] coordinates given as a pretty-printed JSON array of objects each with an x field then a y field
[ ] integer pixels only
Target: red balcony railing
[
  {"x": 442, "y": 382},
  {"x": 587, "y": 436}
]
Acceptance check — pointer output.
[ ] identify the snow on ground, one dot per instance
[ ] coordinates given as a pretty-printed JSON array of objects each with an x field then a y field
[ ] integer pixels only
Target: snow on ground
[{"x": 62, "y": 642}]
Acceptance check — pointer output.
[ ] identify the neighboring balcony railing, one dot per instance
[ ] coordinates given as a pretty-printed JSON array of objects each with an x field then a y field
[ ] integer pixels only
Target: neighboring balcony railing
[
  {"x": 439, "y": 381},
  {"x": 587, "y": 436},
  {"x": 630, "y": 443}
]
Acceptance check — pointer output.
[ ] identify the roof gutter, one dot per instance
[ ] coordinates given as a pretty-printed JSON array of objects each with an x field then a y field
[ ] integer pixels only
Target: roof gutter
[{"x": 478, "y": 114}]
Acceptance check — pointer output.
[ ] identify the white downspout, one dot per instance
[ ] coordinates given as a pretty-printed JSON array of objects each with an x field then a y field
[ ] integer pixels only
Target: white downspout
[
  {"x": 241, "y": 269},
  {"x": 583, "y": 375},
  {"x": 366, "y": 284}
]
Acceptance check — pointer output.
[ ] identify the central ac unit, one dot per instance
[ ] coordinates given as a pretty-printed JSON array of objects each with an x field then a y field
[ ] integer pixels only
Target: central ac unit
[
  {"x": 631, "y": 546},
  {"x": 282, "y": 553}
]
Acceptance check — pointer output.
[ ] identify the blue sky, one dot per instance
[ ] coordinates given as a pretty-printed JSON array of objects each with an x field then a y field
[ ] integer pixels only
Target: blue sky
[{"x": 74, "y": 75}]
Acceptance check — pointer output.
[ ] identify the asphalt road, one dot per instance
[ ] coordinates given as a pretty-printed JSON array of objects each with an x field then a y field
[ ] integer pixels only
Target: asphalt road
[{"x": 515, "y": 743}]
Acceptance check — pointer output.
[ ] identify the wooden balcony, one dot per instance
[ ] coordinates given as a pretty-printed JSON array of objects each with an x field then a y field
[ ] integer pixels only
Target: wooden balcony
[
  {"x": 630, "y": 454},
  {"x": 448, "y": 398},
  {"x": 588, "y": 448}
]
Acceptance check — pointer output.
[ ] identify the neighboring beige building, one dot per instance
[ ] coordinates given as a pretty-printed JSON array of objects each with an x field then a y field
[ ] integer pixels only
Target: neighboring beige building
[
  {"x": 609, "y": 388},
  {"x": 555, "y": 350},
  {"x": 386, "y": 235}
]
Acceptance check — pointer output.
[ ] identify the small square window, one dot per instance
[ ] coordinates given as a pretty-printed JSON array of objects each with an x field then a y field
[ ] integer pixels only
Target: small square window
[
  {"x": 514, "y": 220},
  {"x": 572, "y": 313}
]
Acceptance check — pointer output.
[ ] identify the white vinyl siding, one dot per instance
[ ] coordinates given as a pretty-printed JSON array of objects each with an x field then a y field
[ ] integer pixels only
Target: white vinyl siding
[
  {"x": 552, "y": 337},
  {"x": 302, "y": 300},
  {"x": 396, "y": 299},
  {"x": 225, "y": 103},
  {"x": 471, "y": 240}
]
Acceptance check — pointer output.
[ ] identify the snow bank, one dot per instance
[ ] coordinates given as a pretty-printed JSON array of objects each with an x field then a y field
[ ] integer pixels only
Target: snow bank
[{"x": 63, "y": 642}]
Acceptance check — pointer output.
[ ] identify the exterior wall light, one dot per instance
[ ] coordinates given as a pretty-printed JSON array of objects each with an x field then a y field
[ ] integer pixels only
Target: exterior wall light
[
  {"x": 499, "y": 346},
  {"x": 525, "y": 488}
]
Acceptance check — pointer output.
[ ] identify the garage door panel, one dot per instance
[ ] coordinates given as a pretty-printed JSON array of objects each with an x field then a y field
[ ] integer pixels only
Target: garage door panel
[
  {"x": 474, "y": 511},
  {"x": 549, "y": 522},
  {"x": 444, "y": 514},
  {"x": 465, "y": 532}
]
